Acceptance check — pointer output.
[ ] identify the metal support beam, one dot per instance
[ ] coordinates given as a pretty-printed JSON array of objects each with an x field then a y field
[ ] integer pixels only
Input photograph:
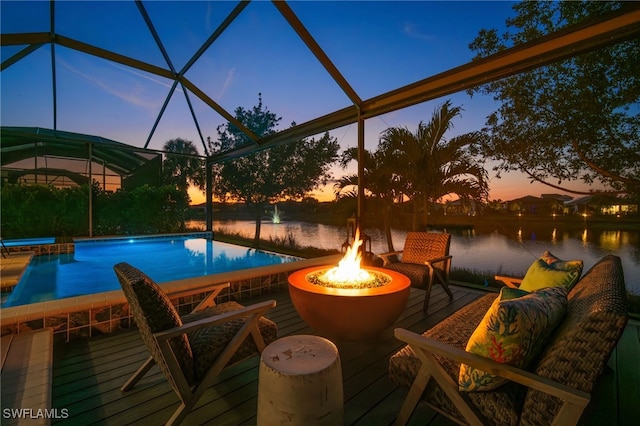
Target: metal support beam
[
  {"x": 221, "y": 28},
  {"x": 161, "y": 113},
  {"x": 90, "y": 189},
  {"x": 315, "y": 48},
  {"x": 572, "y": 41},
  {"x": 213, "y": 104},
  {"x": 21, "y": 54},
  {"x": 25, "y": 38},
  {"x": 361, "y": 182},
  {"x": 155, "y": 35},
  {"x": 112, "y": 56},
  {"x": 54, "y": 82},
  {"x": 208, "y": 177}
]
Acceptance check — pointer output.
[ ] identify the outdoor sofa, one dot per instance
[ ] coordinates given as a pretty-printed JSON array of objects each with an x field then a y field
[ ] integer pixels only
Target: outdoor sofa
[{"x": 555, "y": 387}]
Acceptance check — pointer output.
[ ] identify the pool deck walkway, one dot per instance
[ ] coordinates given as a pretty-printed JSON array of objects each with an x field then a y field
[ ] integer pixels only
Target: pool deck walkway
[
  {"x": 12, "y": 268},
  {"x": 87, "y": 376}
]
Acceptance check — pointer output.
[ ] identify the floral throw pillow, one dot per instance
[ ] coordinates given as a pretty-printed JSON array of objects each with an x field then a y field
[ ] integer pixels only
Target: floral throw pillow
[
  {"x": 550, "y": 271},
  {"x": 514, "y": 331}
]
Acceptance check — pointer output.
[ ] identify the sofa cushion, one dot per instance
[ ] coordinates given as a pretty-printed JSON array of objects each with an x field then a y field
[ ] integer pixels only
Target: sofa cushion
[
  {"x": 513, "y": 331},
  {"x": 499, "y": 407},
  {"x": 417, "y": 274},
  {"x": 550, "y": 271}
]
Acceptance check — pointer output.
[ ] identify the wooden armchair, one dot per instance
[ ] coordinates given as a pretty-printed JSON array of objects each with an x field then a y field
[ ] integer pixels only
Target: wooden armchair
[
  {"x": 425, "y": 259},
  {"x": 191, "y": 351}
]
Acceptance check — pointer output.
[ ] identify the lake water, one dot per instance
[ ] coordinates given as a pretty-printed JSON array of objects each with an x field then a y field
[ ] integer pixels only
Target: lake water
[{"x": 508, "y": 250}]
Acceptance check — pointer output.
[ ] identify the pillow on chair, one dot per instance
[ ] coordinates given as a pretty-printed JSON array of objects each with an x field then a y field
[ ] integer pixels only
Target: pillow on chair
[
  {"x": 550, "y": 271},
  {"x": 514, "y": 330}
]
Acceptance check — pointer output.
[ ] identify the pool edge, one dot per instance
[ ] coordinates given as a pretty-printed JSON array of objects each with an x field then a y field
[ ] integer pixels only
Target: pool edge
[{"x": 100, "y": 313}]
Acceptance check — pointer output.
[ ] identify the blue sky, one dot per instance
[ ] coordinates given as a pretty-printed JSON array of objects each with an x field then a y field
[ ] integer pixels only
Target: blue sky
[{"x": 378, "y": 46}]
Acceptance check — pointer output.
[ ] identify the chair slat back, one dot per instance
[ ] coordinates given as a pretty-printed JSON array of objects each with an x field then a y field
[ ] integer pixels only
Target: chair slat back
[
  {"x": 422, "y": 246},
  {"x": 153, "y": 312}
]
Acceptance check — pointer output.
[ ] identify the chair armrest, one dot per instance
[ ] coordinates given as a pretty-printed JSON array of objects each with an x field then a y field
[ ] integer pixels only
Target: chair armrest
[
  {"x": 385, "y": 256},
  {"x": 438, "y": 259},
  {"x": 512, "y": 282},
  {"x": 208, "y": 301},
  {"x": 257, "y": 309},
  {"x": 526, "y": 378}
]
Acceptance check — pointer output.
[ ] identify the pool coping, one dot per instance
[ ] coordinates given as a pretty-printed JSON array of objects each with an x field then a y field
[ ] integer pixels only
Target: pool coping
[
  {"x": 12, "y": 268},
  {"x": 194, "y": 234},
  {"x": 21, "y": 318}
]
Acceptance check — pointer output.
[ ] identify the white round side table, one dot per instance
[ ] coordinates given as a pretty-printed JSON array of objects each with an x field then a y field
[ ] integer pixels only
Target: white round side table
[{"x": 300, "y": 383}]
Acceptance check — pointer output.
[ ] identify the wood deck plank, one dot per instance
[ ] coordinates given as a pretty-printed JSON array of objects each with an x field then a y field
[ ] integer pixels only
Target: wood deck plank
[{"x": 88, "y": 375}]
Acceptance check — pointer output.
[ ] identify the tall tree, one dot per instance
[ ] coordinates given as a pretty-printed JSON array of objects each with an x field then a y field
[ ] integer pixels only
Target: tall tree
[
  {"x": 383, "y": 186},
  {"x": 182, "y": 165},
  {"x": 572, "y": 120},
  {"x": 430, "y": 166},
  {"x": 282, "y": 172}
]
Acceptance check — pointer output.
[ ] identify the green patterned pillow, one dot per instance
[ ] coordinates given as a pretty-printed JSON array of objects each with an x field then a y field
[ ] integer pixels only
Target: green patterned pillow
[
  {"x": 549, "y": 271},
  {"x": 514, "y": 331}
]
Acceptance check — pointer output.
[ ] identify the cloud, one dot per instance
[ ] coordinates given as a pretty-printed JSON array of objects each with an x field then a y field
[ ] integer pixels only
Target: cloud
[
  {"x": 227, "y": 83},
  {"x": 132, "y": 96},
  {"x": 164, "y": 83},
  {"x": 411, "y": 30}
]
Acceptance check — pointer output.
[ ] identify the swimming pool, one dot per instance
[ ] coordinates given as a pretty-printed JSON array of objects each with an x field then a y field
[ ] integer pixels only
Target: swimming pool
[
  {"x": 28, "y": 241},
  {"x": 90, "y": 269}
]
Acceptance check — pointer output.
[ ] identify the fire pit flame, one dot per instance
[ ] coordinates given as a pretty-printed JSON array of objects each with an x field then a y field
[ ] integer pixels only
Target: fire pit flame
[{"x": 348, "y": 270}]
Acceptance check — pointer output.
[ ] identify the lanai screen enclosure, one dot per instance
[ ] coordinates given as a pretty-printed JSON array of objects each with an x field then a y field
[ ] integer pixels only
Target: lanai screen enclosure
[{"x": 144, "y": 72}]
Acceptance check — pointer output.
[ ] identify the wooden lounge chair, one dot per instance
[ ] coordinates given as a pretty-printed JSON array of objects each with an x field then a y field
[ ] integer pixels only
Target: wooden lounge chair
[
  {"x": 425, "y": 259},
  {"x": 191, "y": 351},
  {"x": 553, "y": 391}
]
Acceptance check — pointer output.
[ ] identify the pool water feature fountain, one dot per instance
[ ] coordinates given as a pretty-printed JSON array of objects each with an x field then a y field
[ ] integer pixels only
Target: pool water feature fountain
[{"x": 276, "y": 215}]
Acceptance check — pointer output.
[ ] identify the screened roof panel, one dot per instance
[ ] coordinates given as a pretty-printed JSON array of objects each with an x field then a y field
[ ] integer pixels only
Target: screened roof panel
[
  {"x": 24, "y": 16},
  {"x": 26, "y": 91},
  {"x": 382, "y": 45},
  {"x": 177, "y": 122},
  {"x": 8, "y": 51},
  {"x": 94, "y": 93},
  {"x": 208, "y": 121},
  {"x": 18, "y": 145},
  {"x": 393, "y": 54},
  {"x": 110, "y": 25},
  {"x": 183, "y": 27},
  {"x": 275, "y": 62}
]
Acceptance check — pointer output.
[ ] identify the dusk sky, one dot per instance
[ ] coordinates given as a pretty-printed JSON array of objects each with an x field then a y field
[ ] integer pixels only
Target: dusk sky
[{"x": 377, "y": 46}]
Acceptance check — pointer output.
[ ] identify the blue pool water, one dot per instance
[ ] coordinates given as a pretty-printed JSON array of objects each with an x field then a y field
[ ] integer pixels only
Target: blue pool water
[
  {"x": 90, "y": 269},
  {"x": 28, "y": 242}
]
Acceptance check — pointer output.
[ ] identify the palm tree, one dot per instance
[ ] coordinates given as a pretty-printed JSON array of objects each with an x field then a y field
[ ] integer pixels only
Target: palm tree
[
  {"x": 430, "y": 166},
  {"x": 381, "y": 184},
  {"x": 182, "y": 165}
]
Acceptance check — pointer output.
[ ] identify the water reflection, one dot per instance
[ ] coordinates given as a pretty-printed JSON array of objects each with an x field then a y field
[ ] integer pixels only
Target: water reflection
[
  {"x": 504, "y": 248},
  {"x": 613, "y": 240}
]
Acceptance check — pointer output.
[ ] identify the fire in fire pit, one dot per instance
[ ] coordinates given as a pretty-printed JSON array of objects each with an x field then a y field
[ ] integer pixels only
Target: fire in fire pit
[
  {"x": 348, "y": 302},
  {"x": 348, "y": 273}
]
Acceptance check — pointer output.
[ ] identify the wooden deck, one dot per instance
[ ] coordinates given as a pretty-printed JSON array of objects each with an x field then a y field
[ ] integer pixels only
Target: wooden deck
[{"x": 87, "y": 376}]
